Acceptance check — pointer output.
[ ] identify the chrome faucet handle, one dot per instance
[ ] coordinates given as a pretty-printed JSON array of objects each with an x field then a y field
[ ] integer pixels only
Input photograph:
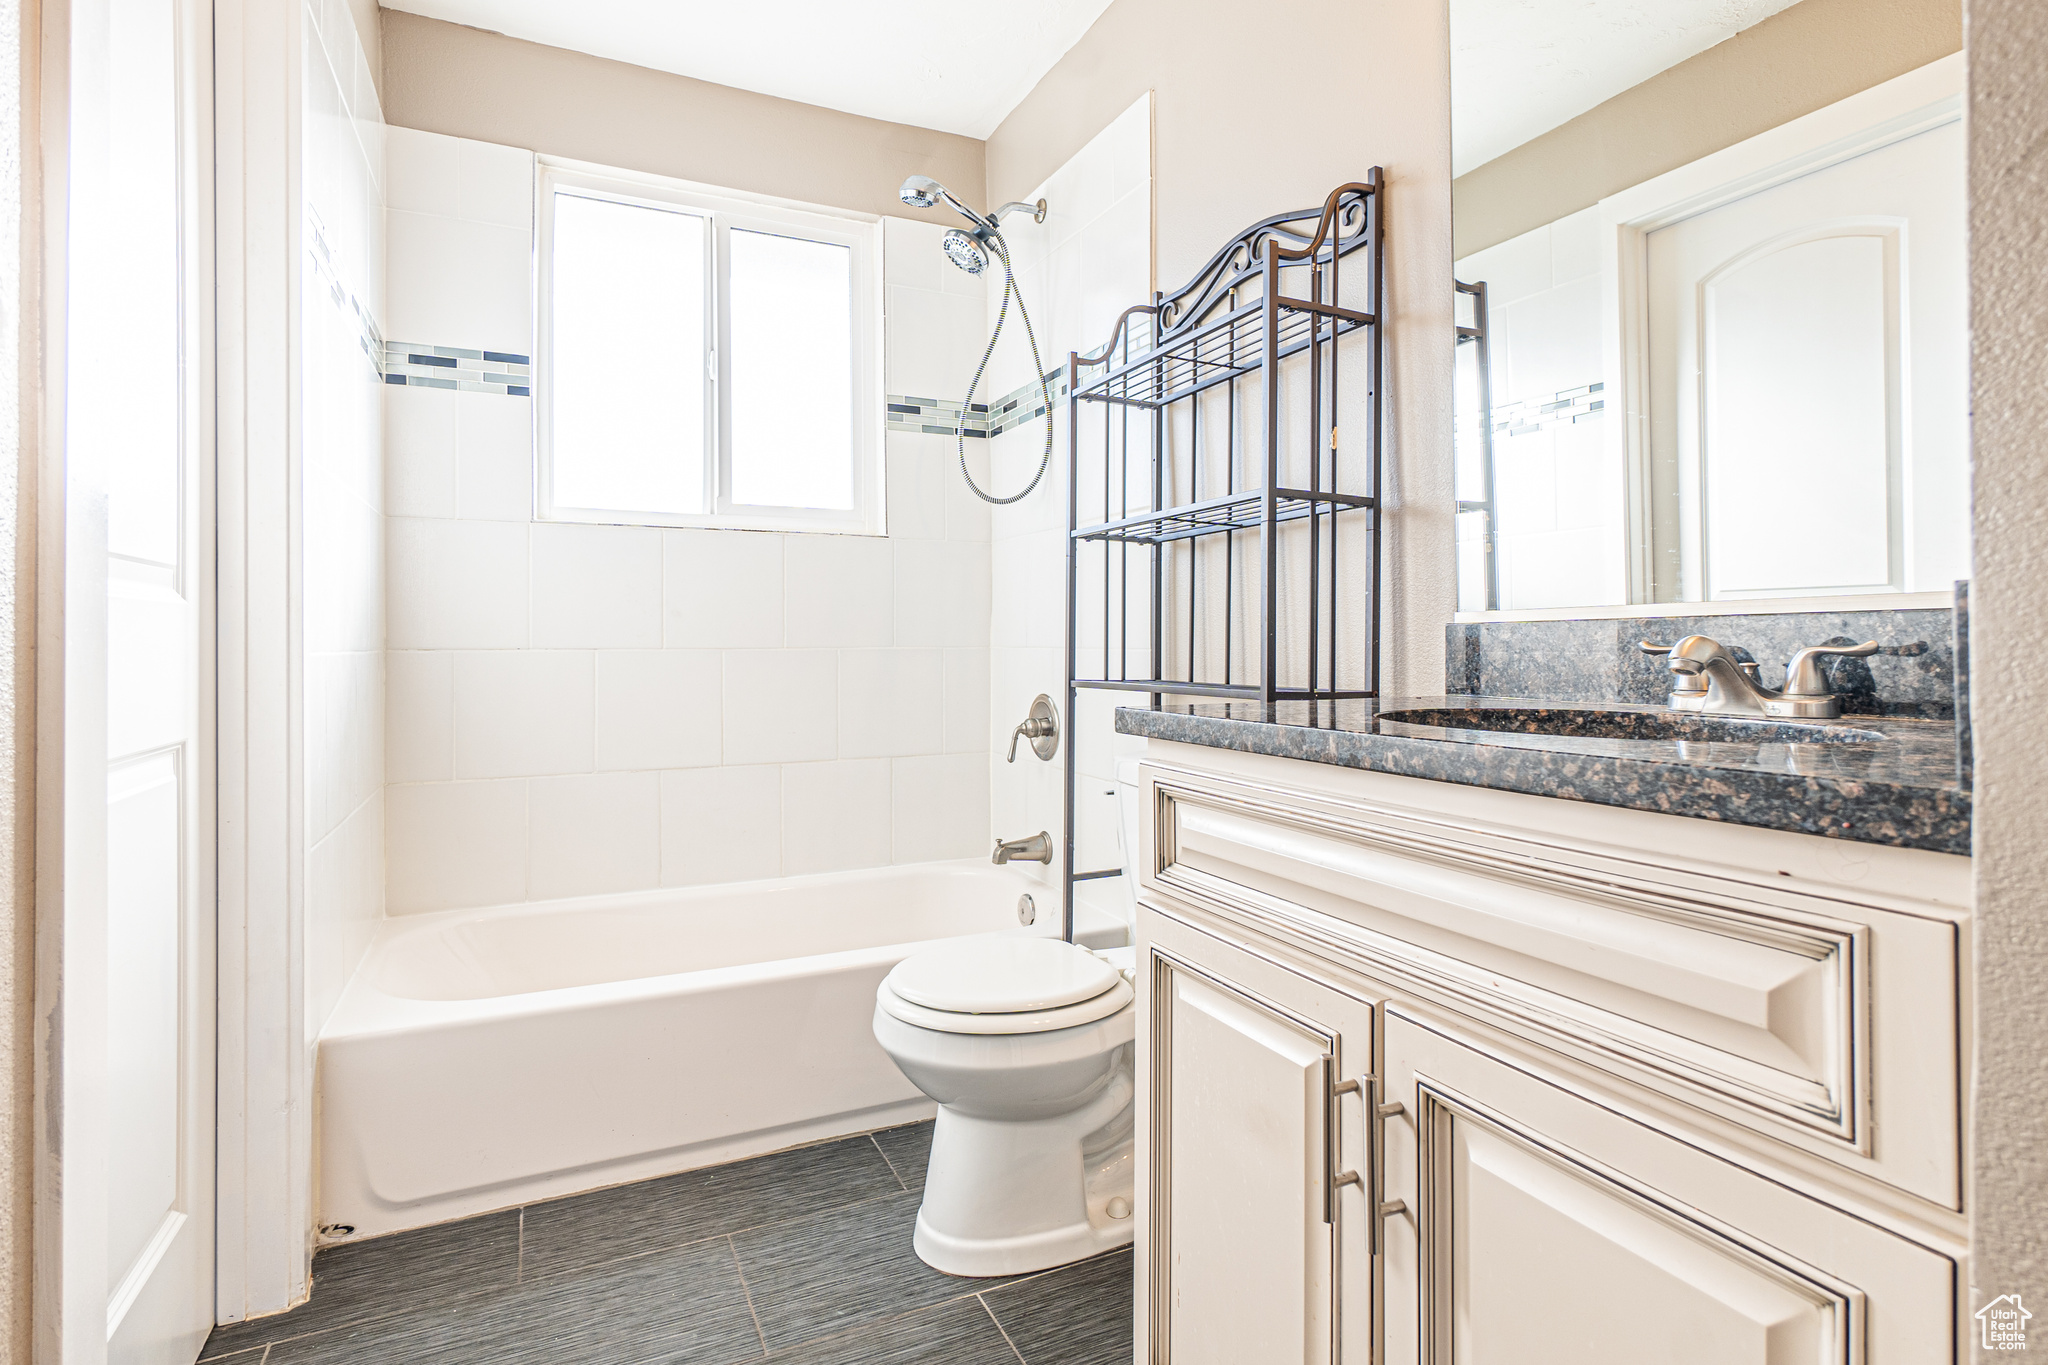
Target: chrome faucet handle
[
  {"x": 1682, "y": 685},
  {"x": 1041, "y": 727},
  {"x": 1803, "y": 675}
]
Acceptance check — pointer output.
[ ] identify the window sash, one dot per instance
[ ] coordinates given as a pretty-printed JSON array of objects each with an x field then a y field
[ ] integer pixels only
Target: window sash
[{"x": 724, "y": 212}]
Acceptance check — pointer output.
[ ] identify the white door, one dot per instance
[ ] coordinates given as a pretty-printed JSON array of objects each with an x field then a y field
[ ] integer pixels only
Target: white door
[
  {"x": 1545, "y": 1229},
  {"x": 1808, "y": 418},
  {"x": 1252, "y": 1250},
  {"x": 138, "y": 693}
]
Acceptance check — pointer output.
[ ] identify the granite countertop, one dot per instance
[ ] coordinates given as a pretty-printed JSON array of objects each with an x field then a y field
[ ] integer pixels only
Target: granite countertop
[{"x": 1894, "y": 781}]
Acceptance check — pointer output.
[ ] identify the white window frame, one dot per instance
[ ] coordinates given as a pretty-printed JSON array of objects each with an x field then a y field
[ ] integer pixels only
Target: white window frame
[{"x": 723, "y": 211}]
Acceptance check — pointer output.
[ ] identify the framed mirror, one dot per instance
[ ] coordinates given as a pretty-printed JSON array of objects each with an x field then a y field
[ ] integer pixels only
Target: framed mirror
[{"x": 1712, "y": 304}]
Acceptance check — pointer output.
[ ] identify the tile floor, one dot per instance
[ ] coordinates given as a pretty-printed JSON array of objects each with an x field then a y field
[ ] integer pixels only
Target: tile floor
[{"x": 799, "y": 1258}]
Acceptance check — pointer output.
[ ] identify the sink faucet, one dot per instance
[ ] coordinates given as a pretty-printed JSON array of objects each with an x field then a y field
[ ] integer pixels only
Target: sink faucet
[
  {"x": 1707, "y": 677},
  {"x": 1036, "y": 849}
]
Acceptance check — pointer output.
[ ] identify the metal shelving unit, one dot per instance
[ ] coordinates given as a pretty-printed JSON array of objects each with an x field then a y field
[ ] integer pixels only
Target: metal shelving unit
[{"x": 1213, "y": 412}]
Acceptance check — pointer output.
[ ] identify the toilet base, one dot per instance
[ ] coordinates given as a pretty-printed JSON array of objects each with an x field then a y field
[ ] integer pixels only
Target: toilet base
[{"x": 1004, "y": 1197}]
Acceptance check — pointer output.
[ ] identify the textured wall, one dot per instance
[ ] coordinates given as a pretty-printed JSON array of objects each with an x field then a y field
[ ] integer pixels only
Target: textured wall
[
  {"x": 2008, "y": 52},
  {"x": 445, "y": 78},
  {"x": 1261, "y": 110},
  {"x": 17, "y": 687},
  {"x": 1797, "y": 61}
]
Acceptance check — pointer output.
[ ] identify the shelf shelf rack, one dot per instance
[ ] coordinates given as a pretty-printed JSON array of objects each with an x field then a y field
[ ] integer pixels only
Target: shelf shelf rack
[{"x": 1248, "y": 346}]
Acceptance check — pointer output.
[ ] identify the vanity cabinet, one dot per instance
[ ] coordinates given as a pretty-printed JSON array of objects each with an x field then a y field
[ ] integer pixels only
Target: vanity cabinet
[{"x": 1455, "y": 1076}]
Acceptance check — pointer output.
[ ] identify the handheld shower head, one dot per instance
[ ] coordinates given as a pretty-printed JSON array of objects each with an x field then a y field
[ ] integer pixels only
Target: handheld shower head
[
  {"x": 923, "y": 192},
  {"x": 920, "y": 191}
]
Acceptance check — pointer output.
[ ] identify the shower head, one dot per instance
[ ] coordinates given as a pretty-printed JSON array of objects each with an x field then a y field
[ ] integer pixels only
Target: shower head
[
  {"x": 920, "y": 191},
  {"x": 964, "y": 249},
  {"x": 923, "y": 192}
]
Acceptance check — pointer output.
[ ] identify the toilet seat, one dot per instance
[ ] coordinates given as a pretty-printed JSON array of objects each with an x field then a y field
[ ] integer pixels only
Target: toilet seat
[{"x": 978, "y": 985}]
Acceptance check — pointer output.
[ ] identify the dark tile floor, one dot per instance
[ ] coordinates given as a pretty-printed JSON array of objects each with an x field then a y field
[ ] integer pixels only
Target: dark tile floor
[{"x": 799, "y": 1258}]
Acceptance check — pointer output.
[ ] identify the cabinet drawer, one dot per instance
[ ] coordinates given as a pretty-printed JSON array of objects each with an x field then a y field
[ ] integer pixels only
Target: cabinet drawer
[{"x": 1817, "y": 1020}]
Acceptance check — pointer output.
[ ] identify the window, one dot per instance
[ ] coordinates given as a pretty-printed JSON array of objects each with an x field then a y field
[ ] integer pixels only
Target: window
[{"x": 705, "y": 360}]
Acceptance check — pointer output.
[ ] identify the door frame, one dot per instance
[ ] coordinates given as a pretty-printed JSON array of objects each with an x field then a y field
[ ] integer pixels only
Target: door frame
[
  {"x": 264, "y": 1141},
  {"x": 1920, "y": 100}
]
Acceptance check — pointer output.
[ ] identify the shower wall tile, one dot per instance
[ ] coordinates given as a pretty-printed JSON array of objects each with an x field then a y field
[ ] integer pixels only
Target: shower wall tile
[
  {"x": 918, "y": 486},
  {"x": 891, "y": 702},
  {"x": 577, "y": 709},
  {"x": 524, "y": 713},
  {"x": 453, "y": 844},
  {"x": 966, "y": 701},
  {"x": 455, "y": 584},
  {"x": 593, "y": 834},
  {"x": 419, "y": 716},
  {"x": 942, "y": 593},
  {"x": 721, "y": 825},
  {"x": 659, "y": 708},
  {"x": 340, "y": 150},
  {"x": 721, "y": 589},
  {"x": 835, "y": 591},
  {"x": 939, "y": 807},
  {"x": 778, "y": 705},
  {"x": 419, "y": 452},
  {"x": 595, "y": 587},
  {"x": 493, "y": 454},
  {"x": 1080, "y": 269},
  {"x": 835, "y": 816}
]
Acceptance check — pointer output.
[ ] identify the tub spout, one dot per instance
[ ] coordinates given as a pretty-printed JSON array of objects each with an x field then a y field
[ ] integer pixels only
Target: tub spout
[{"x": 1036, "y": 849}]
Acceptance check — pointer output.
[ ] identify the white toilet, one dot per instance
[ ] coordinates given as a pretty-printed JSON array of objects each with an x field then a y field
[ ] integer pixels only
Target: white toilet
[{"x": 1027, "y": 1045}]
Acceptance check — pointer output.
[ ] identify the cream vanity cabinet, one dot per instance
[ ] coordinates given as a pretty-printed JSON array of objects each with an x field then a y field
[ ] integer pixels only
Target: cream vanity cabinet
[{"x": 1450, "y": 1076}]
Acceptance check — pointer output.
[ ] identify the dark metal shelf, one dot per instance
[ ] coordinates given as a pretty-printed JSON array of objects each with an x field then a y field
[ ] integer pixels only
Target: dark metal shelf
[
  {"x": 1185, "y": 419},
  {"x": 1230, "y": 346},
  {"x": 1237, "y": 512}
]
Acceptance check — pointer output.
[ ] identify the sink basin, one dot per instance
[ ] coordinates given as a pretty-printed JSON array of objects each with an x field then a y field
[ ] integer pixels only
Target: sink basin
[{"x": 1650, "y": 725}]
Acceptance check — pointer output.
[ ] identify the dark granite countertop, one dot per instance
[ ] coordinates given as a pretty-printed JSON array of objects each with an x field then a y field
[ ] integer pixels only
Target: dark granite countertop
[{"x": 1895, "y": 784}]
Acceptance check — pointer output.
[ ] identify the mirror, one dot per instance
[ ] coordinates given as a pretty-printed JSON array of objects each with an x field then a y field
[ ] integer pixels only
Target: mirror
[{"x": 1711, "y": 301}]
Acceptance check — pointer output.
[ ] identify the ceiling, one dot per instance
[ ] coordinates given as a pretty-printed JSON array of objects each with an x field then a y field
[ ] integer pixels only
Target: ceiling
[
  {"x": 946, "y": 64},
  {"x": 1521, "y": 67}
]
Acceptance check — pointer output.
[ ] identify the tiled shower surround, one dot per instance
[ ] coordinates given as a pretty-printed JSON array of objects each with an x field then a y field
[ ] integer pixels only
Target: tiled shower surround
[
  {"x": 582, "y": 709},
  {"x": 799, "y": 1258}
]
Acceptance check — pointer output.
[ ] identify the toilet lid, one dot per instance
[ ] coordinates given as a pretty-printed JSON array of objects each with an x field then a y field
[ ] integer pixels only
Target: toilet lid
[{"x": 986, "y": 975}]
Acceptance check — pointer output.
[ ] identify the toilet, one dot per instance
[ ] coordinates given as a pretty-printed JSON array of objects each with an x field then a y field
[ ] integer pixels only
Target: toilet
[{"x": 1027, "y": 1045}]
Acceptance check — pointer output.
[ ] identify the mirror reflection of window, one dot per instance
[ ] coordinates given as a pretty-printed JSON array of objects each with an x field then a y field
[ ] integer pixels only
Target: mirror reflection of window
[{"x": 1722, "y": 252}]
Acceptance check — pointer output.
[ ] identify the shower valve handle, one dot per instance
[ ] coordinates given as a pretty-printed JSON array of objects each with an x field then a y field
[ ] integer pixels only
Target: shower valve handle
[{"x": 1041, "y": 727}]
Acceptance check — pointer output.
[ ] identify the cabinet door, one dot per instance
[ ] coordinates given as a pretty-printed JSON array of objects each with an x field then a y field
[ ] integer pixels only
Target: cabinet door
[
  {"x": 1254, "y": 1084},
  {"x": 1542, "y": 1228}
]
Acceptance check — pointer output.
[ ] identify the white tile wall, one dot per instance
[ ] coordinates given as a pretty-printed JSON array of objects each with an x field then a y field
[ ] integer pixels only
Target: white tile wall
[
  {"x": 342, "y": 167},
  {"x": 1089, "y": 261},
  {"x": 580, "y": 709}
]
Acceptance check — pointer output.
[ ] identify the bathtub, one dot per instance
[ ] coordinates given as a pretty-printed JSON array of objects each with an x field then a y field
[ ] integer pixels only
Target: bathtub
[{"x": 485, "y": 1058}]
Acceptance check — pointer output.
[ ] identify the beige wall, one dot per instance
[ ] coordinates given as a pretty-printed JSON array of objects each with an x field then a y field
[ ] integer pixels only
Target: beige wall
[
  {"x": 1262, "y": 110},
  {"x": 1797, "y": 61},
  {"x": 19, "y": 355},
  {"x": 445, "y": 78},
  {"x": 2008, "y": 112}
]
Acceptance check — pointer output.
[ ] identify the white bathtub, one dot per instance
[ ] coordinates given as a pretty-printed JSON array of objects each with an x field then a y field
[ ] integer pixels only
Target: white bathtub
[{"x": 486, "y": 1058}]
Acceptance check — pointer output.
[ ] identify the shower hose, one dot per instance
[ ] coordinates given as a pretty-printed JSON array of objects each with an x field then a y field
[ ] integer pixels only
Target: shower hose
[{"x": 1002, "y": 253}]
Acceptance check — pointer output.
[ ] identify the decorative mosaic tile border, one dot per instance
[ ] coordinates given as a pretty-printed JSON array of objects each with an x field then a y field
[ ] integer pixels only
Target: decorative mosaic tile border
[
  {"x": 1533, "y": 414},
  {"x": 454, "y": 367},
  {"x": 982, "y": 421},
  {"x": 367, "y": 335}
]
